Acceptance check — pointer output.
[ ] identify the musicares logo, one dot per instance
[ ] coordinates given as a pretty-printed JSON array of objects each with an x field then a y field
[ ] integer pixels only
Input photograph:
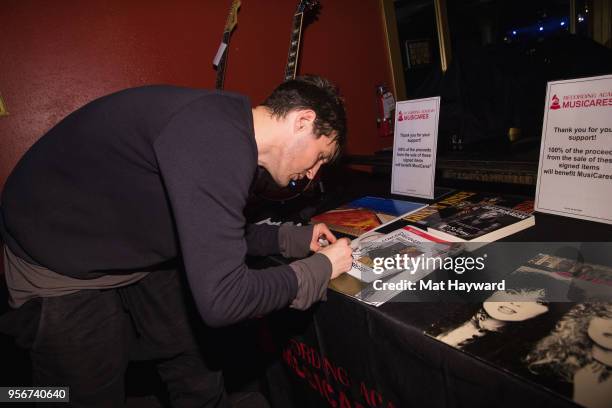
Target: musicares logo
[
  {"x": 414, "y": 114},
  {"x": 555, "y": 103},
  {"x": 583, "y": 100}
]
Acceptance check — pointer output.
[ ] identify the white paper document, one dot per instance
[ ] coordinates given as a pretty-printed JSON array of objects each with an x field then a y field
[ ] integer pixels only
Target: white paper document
[
  {"x": 575, "y": 169},
  {"x": 414, "y": 147}
]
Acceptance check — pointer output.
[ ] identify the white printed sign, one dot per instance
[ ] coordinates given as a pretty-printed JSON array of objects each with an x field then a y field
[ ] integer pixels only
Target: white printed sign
[
  {"x": 575, "y": 170},
  {"x": 414, "y": 147}
]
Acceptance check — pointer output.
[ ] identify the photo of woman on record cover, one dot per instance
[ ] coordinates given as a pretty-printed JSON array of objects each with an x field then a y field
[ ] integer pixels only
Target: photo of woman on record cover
[
  {"x": 521, "y": 311},
  {"x": 503, "y": 329},
  {"x": 579, "y": 352}
]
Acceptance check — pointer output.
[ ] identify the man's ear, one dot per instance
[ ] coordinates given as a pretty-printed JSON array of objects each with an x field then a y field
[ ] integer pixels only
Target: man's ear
[{"x": 304, "y": 120}]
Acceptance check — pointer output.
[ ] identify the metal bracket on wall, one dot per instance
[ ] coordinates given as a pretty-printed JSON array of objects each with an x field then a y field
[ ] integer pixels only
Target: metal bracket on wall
[{"x": 3, "y": 111}]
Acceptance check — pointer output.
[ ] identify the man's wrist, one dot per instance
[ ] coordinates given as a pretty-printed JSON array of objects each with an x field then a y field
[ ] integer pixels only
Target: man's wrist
[{"x": 313, "y": 275}]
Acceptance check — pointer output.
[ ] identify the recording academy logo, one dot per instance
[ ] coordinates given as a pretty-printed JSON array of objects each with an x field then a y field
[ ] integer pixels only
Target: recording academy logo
[{"x": 555, "y": 103}]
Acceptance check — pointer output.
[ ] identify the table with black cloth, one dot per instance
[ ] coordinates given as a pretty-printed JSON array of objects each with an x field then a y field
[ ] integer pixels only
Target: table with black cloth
[{"x": 344, "y": 353}]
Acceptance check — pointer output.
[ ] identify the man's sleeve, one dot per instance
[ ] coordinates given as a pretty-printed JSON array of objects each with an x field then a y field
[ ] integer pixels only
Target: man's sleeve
[
  {"x": 289, "y": 240},
  {"x": 207, "y": 163},
  {"x": 262, "y": 239},
  {"x": 294, "y": 241}
]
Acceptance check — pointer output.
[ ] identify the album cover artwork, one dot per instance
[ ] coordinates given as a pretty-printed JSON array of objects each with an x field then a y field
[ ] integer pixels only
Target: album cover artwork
[
  {"x": 475, "y": 221},
  {"x": 563, "y": 345},
  {"x": 365, "y": 214},
  {"x": 471, "y": 216}
]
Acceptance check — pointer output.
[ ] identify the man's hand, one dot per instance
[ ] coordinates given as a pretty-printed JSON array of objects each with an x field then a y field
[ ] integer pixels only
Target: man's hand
[
  {"x": 320, "y": 231},
  {"x": 340, "y": 255}
]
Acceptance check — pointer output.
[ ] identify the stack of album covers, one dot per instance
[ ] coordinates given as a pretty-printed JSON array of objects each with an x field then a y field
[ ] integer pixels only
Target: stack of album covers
[{"x": 383, "y": 228}]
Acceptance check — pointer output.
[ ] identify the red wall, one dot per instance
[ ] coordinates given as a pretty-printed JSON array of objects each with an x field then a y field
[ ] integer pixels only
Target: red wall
[{"x": 57, "y": 55}]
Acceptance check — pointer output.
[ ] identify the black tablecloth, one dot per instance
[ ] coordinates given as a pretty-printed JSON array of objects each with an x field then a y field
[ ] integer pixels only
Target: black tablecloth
[
  {"x": 344, "y": 353},
  {"x": 347, "y": 354}
]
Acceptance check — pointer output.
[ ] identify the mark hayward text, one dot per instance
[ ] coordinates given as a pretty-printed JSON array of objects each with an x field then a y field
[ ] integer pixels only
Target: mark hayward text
[{"x": 450, "y": 285}]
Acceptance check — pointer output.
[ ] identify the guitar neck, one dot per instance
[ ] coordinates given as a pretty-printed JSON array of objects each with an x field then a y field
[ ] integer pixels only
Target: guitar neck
[
  {"x": 222, "y": 63},
  {"x": 294, "y": 47}
]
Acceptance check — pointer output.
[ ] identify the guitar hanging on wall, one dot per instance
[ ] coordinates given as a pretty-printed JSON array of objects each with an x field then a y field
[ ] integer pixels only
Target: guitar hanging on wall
[
  {"x": 265, "y": 186},
  {"x": 220, "y": 60},
  {"x": 299, "y": 19}
]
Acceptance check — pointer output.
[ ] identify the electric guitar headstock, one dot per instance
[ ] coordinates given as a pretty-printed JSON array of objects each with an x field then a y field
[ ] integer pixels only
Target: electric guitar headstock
[
  {"x": 307, "y": 5},
  {"x": 232, "y": 17},
  {"x": 306, "y": 12},
  {"x": 230, "y": 24}
]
